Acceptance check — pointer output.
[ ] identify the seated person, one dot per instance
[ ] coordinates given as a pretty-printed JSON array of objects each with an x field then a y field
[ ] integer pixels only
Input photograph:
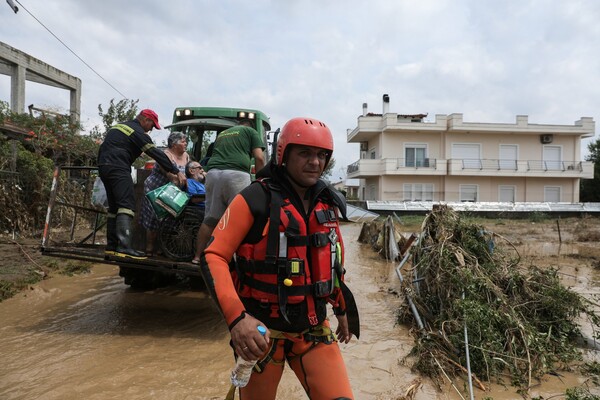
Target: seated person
[{"x": 195, "y": 184}]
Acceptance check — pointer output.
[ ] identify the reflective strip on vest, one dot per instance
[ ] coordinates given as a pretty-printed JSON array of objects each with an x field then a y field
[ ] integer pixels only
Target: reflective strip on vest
[{"x": 124, "y": 128}]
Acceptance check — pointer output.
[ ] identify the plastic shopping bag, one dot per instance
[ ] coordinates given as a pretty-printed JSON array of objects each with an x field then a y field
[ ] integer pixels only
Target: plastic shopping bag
[
  {"x": 167, "y": 199},
  {"x": 99, "y": 198}
]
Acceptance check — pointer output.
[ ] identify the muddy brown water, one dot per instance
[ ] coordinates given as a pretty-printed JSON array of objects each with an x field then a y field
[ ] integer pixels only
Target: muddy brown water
[{"x": 90, "y": 337}]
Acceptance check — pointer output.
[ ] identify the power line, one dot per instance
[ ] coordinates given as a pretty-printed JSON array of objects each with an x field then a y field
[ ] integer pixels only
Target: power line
[{"x": 75, "y": 54}]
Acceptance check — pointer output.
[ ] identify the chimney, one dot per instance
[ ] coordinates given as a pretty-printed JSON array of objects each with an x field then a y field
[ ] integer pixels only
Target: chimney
[
  {"x": 386, "y": 104},
  {"x": 364, "y": 109}
]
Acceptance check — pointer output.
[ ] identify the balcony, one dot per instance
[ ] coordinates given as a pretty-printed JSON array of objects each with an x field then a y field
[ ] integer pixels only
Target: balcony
[
  {"x": 522, "y": 168},
  {"x": 365, "y": 168},
  {"x": 396, "y": 166}
]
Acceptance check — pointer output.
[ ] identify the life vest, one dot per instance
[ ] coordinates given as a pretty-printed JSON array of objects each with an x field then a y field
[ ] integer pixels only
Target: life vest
[{"x": 296, "y": 264}]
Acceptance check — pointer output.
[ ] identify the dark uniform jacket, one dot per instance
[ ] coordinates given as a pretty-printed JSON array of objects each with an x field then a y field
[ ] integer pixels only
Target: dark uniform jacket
[{"x": 125, "y": 142}]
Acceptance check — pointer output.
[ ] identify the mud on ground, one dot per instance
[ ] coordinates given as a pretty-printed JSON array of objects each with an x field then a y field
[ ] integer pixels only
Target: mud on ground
[
  {"x": 22, "y": 264},
  {"x": 104, "y": 321}
]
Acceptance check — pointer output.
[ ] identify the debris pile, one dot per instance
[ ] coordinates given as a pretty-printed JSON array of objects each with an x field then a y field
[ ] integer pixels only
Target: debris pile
[
  {"x": 465, "y": 285},
  {"x": 383, "y": 238}
]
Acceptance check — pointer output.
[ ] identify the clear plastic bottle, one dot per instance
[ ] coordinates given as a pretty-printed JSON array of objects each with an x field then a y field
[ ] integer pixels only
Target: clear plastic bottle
[{"x": 240, "y": 374}]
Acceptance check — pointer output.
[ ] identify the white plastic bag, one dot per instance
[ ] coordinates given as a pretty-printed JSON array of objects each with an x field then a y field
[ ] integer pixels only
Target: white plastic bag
[
  {"x": 99, "y": 194},
  {"x": 134, "y": 174}
]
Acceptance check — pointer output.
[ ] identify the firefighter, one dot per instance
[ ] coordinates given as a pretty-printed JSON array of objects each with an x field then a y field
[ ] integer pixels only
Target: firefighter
[
  {"x": 124, "y": 143},
  {"x": 288, "y": 265}
]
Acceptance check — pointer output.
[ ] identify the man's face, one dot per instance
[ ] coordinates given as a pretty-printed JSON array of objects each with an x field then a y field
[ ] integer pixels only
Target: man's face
[
  {"x": 305, "y": 164},
  {"x": 197, "y": 172},
  {"x": 147, "y": 124}
]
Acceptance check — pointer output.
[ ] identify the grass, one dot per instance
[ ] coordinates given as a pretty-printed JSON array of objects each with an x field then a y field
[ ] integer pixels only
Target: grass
[{"x": 17, "y": 277}]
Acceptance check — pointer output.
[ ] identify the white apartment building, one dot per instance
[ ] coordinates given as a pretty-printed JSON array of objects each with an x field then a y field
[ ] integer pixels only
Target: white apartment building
[{"x": 404, "y": 158}]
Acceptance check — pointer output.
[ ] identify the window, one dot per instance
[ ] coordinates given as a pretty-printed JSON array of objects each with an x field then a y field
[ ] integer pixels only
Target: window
[
  {"x": 509, "y": 153},
  {"x": 468, "y": 193},
  {"x": 552, "y": 194},
  {"x": 415, "y": 155},
  {"x": 372, "y": 193},
  {"x": 418, "y": 192},
  {"x": 506, "y": 193},
  {"x": 552, "y": 157},
  {"x": 468, "y": 153},
  {"x": 372, "y": 154}
]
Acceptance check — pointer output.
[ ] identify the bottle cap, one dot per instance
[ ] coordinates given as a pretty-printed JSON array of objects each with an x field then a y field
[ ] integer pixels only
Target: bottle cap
[{"x": 262, "y": 330}]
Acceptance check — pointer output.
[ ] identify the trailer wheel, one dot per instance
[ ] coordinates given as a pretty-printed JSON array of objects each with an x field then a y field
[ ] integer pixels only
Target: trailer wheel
[{"x": 177, "y": 236}]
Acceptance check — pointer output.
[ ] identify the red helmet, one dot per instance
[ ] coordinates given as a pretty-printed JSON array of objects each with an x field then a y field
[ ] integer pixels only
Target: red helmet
[{"x": 304, "y": 131}]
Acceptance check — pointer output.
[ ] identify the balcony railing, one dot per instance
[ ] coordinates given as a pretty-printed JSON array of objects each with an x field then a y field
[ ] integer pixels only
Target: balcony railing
[
  {"x": 513, "y": 165},
  {"x": 554, "y": 166},
  {"x": 396, "y": 163},
  {"x": 400, "y": 166}
]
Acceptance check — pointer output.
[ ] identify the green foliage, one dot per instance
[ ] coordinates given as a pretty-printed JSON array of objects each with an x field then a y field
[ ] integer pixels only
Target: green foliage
[
  {"x": 24, "y": 196},
  {"x": 53, "y": 137},
  {"x": 123, "y": 110},
  {"x": 521, "y": 322},
  {"x": 592, "y": 369},
  {"x": 329, "y": 170},
  {"x": 579, "y": 393},
  {"x": 590, "y": 188},
  {"x": 49, "y": 141},
  {"x": 7, "y": 290},
  {"x": 537, "y": 216},
  {"x": 25, "y": 276},
  {"x": 71, "y": 268}
]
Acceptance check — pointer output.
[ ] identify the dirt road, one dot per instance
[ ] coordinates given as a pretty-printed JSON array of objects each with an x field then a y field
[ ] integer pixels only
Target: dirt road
[{"x": 91, "y": 337}]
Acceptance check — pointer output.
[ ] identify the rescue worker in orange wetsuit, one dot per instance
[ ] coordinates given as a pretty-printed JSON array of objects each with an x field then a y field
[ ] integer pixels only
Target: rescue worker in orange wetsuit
[{"x": 288, "y": 265}]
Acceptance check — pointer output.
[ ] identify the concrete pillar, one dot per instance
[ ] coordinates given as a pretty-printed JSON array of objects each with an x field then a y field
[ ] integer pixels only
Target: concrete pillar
[
  {"x": 75, "y": 106},
  {"x": 17, "y": 89}
]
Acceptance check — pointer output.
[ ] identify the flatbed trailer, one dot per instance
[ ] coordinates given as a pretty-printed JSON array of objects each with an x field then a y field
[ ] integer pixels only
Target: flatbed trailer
[{"x": 75, "y": 229}]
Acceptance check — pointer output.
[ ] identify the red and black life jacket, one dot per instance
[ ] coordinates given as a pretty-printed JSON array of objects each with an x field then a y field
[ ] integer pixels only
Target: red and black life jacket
[{"x": 291, "y": 273}]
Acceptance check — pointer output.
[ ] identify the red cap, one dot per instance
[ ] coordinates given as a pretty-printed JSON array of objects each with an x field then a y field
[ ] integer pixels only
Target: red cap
[{"x": 148, "y": 113}]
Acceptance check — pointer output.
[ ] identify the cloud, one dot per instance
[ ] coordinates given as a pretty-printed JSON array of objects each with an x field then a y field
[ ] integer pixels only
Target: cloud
[{"x": 321, "y": 59}]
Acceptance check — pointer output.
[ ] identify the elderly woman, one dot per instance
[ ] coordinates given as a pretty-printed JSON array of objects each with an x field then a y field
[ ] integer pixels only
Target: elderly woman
[{"x": 176, "y": 151}]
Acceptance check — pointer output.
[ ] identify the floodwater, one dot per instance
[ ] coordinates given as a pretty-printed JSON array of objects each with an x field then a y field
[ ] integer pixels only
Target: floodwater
[{"x": 90, "y": 337}]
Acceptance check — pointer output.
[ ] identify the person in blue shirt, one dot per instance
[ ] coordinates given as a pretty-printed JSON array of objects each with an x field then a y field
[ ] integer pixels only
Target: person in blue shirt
[{"x": 195, "y": 184}]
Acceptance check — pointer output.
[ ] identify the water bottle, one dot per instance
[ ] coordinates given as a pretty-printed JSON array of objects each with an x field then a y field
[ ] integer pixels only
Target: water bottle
[{"x": 240, "y": 374}]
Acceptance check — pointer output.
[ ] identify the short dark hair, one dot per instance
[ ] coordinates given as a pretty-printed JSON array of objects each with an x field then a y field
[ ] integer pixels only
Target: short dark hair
[
  {"x": 188, "y": 171},
  {"x": 247, "y": 122}
]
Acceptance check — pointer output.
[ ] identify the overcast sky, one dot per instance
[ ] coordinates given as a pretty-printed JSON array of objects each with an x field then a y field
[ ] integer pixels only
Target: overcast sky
[{"x": 489, "y": 60}]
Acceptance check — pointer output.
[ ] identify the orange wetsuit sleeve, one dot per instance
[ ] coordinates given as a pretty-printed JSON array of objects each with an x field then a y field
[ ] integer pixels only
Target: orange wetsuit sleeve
[{"x": 227, "y": 237}]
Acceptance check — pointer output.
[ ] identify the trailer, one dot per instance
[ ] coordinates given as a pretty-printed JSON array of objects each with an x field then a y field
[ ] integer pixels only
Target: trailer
[{"x": 75, "y": 229}]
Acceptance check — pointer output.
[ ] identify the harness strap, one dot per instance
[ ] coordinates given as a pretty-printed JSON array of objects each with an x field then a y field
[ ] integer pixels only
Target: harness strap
[
  {"x": 274, "y": 219},
  {"x": 260, "y": 365},
  {"x": 319, "y": 239},
  {"x": 319, "y": 333},
  {"x": 272, "y": 250},
  {"x": 273, "y": 288}
]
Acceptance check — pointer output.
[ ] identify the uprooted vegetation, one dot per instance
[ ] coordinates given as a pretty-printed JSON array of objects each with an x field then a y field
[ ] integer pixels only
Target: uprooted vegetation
[{"x": 468, "y": 285}]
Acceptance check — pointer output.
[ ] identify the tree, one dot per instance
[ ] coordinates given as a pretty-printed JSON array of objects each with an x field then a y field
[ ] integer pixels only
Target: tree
[
  {"x": 52, "y": 136},
  {"x": 123, "y": 110},
  {"x": 329, "y": 170},
  {"x": 590, "y": 188}
]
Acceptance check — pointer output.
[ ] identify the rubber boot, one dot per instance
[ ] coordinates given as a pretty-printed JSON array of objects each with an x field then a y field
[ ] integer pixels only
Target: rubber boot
[
  {"x": 111, "y": 236},
  {"x": 124, "y": 233}
]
